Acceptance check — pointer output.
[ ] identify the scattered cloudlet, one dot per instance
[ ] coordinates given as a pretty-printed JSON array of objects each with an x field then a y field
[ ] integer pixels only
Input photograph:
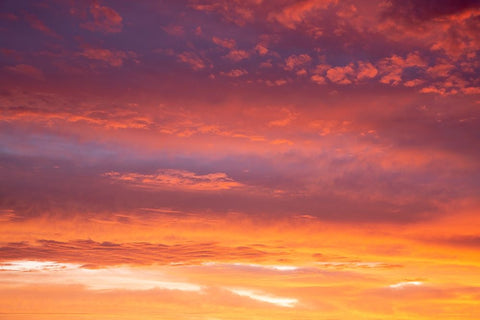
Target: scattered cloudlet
[{"x": 176, "y": 179}]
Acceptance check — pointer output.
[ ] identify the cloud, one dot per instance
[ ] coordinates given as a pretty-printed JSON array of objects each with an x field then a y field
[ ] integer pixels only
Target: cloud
[
  {"x": 27, "y": 70},
  {"x": 104, "y": 254},
  {"x": 120, "y": 119},
  {"x": 289, "y": 117},
  {"x": 318, "y": 79},
  {"x": 236, "y": 11},
  {"x": 193, "y": 59},
  {"x": 413, "y": 83},
  {"x": 115, "y": 58},
  {"x": 296, "y": 12},
  {"x": 174, "y": 30},
  {"x": 106, "y": 19},
  {"x": 109, "y": 278},
  {"x": 37, "y": 24},
  {"x": 466, "y": 241},
  {"x": 263, "y": 297},
  {"x": 418, "y": 11},
  {"x": 471, "y": 90},
  {"x": 226, "y": 43},
  {"x": 404, "y": 284},
  {"x": 235, "y": 73},
  {"x": 447, "y": 26},
  {"x": 295, "y": 61},
  {"x": 392, "y": 68},
  {"x": 440, "y": 69},
  {"x": 341, "y": 75},
  {"x": 261, "y": 49},
  {"x": 237, "y": 55},
  {"x": 180, "y": 179},
  {"x": 366, "y": 71},
  {"x": 256, "y": 267},
  {"x": 29, "y": 266}
]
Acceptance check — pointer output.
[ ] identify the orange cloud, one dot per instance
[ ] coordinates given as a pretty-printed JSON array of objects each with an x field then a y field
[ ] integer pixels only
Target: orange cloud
[{"x": 176, "y": 179}]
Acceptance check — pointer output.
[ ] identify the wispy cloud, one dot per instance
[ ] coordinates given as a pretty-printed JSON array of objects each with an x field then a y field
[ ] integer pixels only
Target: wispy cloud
[
  {"x": 263, "y": 297},
  {"x": 176, "y": 179},
  {"x": 117, "y": 278}
]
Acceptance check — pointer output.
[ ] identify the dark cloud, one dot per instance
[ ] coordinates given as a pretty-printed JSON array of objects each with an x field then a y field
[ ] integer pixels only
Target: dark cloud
[
  {"x": 471, "y": 241},
  {"x": 100, "y": 254},
  {"x": 418, "y": 11}
]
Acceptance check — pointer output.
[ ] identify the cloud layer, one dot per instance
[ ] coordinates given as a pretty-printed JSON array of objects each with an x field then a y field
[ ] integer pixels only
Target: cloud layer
[{"x": 267, "y": 159}]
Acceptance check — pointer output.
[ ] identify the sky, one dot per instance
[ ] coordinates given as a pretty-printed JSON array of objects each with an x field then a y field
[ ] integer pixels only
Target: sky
[{"x": 239, "y": 159}]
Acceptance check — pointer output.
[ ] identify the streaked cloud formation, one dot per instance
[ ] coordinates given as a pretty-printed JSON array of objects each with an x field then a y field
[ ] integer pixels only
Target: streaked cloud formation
[{"x": 201, "y": 159}]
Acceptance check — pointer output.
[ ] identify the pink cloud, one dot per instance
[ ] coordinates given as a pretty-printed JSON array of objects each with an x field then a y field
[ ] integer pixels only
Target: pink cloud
[
  {"x": 413, "y": 83},
  {"x": 433, "y": 89},
  {"x": 174, "y": 30},
  {"x": 27, "y": 70},
  {"x": 366, "y": 71},
  {"x": 295, "y": 61},
  {"x": 39, "y": 25},
  {"x": 105, "y": 19},
  {"x": 237, "y": 55},
  {"x": 12, "y": 53},
  {"x": 192, "y": 59},
  {"x": 318, "y": 79},
  {"x": 8, "y": 16},
  {"x": 226, "y": 43},
  {"x": 471, "y": 90},
  {"x": 261, "y": 49},
  {"x": 235, "y": 73},
  {"x": 340, "y": 75},
  {"x": 440, "y": 70},
  {"x": 179, "y": 179},
  {"x": 115, "y": 58},
  {"x": 392, "y": 67},
  {"x": 295, "y": 13},
  {"x": 286, "y": 120},
  {"x": 236, "y": 11}
]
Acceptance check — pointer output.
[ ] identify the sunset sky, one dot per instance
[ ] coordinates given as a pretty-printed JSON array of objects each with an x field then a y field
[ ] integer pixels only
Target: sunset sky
[{"x": 239, "y": 159}]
